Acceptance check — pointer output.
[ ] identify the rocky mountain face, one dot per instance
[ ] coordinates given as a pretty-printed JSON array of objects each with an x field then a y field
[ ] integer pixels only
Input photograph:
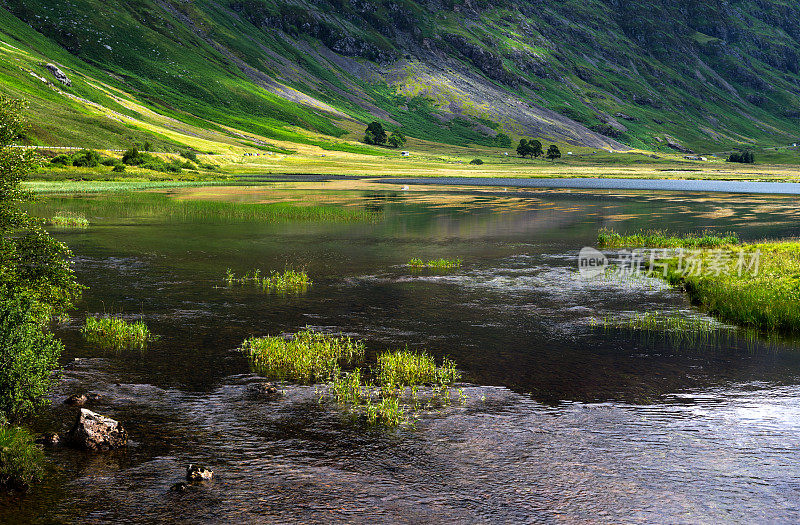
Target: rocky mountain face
[{"x": 604, "y": 73}]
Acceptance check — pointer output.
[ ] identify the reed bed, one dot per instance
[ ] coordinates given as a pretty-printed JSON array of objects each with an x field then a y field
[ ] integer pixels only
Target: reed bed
[
  {"x": 607, "y": 238},
  {"x": 69, "y": 220},
  {"x": 439, "y": 264},
  {"x": 768, "y": 300},
  {"x": 113, "y": 333},
  {"x": 287, "y": 281},
  {"x": 306, "y": 357}
]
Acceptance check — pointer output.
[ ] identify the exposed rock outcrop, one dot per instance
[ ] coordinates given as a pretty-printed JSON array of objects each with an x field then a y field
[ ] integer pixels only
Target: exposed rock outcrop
[
  {"x": 95, "y": 432},
  {"x": 198, "y": 473},
  {"x": 60, "y": 75}
]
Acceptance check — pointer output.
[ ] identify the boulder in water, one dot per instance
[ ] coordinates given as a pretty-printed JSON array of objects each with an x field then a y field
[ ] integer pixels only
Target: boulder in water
[{"x": 95, "y": 432}]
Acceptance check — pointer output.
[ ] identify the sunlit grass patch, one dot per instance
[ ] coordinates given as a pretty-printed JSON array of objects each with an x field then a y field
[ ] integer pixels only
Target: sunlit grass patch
[
  {"x": 306, "y": 357},
  {"x": 21, "y": 461},
  {"x": 287, "y": 281},
  {"x": 69, "y": 220},
  {"x": 439, "y": 264},
  {"x": 406, "y": 368},
  {"x": 660, "y": 239},
  {"x": 113, "y": 333}
]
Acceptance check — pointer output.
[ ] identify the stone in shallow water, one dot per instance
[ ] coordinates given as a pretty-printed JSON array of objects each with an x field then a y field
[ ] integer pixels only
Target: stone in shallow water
[
  {"x": 268, "y": 390},
  {"x": 49, "y": 439},
  {"x": 77, "y": 400},
  {"x": 95, "y": 432},
  {"x": 198, "y": 473}
]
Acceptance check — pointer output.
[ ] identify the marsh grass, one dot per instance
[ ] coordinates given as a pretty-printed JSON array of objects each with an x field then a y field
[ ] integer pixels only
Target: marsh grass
[
  {"x": 21, "y": 461},
  {"x": 287, "y": 281},
  {"x": 406, "y": 368},
  {"x": 607, "y": 238},
  {"x": 390, "y": 397},
  {"x": 113, "y": 333},
  {"x": 768, "y": 301},
  {"x": 69, "y": 220},
  {"x": 678, "y": 329},
  {"x": 438, "y": 264},
  {"x": 306, "y": 357}
]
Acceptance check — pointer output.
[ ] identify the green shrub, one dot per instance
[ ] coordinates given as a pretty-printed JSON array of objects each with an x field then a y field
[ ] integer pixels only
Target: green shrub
[
  {"x": 189, "y": 155},
  {"x": 476, "y": 162},
  {"x": 61, "y": 160},
  {"x": 21, "y": 461},
  {"x": 86, "y": 159},
  {"x": 28, "y": 356},
  {"x": 118, "y": 168}
]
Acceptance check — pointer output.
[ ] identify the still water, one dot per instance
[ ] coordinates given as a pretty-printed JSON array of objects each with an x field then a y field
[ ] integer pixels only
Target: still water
[{"x": 563, "y": 422}]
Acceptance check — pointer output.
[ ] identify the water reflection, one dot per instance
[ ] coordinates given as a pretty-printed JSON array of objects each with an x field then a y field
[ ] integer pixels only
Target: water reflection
[{"x": 563, "y": 422}]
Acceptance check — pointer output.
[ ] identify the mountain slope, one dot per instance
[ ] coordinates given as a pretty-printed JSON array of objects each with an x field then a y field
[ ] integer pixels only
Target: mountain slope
[{"x": 654, "y": 75}]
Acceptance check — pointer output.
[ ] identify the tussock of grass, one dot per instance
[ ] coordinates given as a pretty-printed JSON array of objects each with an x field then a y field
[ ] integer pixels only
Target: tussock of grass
[
  {"x": 405, "y": 368},
  {"x": 69, "y": 220},
  {"x": 439, "y": 264},
  {"x": 287, "y": 281},
  {"x": 659, "y": 239},
  {"x": 767, "y": 301},
  {"x": 306, "y": 357},
  {"x": 116, "y": 334},
  {"x": 678, "y": 329},
  {"x": 21, "y": 461}
]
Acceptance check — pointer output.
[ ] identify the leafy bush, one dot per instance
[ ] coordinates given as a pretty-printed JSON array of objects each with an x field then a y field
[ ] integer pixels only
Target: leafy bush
[
  {"x": 86, "y": 159},
  {"x": 28, "y": 356},
  {"x": 61, "y": 160},
  {"x": 476, "y": 162},
  {"x": 20, "y": 459},
  {"x": 189, "y": 155},
  {"x": 745, "y": 157}
]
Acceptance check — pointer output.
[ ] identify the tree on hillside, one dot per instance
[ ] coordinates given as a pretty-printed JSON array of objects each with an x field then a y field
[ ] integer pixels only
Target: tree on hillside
[
  {"x": 535, "y": 148},
  {"x": 375, "y": 134},
  {"x": 36, "y": 280},
  {"x": 553, "y": 152},
  {"x": 744, "y": 157},
  {"x": 523, "y": 148},
  {"x": 397, "y": 140}
]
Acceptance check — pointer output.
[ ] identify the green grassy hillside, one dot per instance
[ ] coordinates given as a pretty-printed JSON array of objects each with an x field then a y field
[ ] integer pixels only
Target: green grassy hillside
[{"x": 705, "y": 75}]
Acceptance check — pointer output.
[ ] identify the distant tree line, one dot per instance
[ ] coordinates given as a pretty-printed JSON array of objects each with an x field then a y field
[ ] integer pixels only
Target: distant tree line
[
  {"x": 375, "y": 135},
  {"x": 533, "y": 149},
  {"x": 743, "y": 157}
]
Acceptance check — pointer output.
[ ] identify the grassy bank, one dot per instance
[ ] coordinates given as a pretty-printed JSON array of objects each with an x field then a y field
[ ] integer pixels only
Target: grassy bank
[
  {"x": 768, "y": 299},
  {"x": 660, "y": 239},
  {"x": 21, "y": 461}
]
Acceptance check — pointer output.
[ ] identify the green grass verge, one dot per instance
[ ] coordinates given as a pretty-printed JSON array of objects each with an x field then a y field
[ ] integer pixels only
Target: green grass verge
[{"x": 659, "y": 239}]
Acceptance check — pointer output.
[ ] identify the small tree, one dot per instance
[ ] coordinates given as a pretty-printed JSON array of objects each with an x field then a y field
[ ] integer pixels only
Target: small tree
[
  {"x": 397, "y": 140},
  {"x": 535, "y": 148},
  {"x": 378, "y": 133},
  {"x": 523, "y": 150},
  {"x": 133, "y": 157},
  {"x": 553, "y": 152}
]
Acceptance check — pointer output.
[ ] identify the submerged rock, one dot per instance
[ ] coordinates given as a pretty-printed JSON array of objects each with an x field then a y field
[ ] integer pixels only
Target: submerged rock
[
  {"x": 179, "y": 487},
  {"x": 76, "y": 400},
  {"x": 198, "y": 473},
  {"x": 49, "y": 439},
  {"x": 95, "y": 432},
  {"x": 268, "y": 390}
]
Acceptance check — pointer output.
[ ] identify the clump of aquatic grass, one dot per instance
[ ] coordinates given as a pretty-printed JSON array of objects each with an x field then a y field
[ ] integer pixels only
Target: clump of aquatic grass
[
  {"x": 69, "y": 220},
  {"x": 21, "y": 461},
  {"x": 287, "y": 281},
  {"x": 607, "y": 238},
  {"x": 439, "y": 264},
  {"x": 114, "y": 333},
  {"x": 380, "y": 403},
  {"x": 767, "y": 299},
  {"x": 405, "y": 368},
  {"x": 306, "y": 357},
  {"x": 678, "y": 329}
]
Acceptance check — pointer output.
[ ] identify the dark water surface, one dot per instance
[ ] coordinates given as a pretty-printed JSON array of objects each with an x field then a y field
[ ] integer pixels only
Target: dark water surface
[{"x": 563, "y": 422}]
